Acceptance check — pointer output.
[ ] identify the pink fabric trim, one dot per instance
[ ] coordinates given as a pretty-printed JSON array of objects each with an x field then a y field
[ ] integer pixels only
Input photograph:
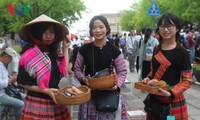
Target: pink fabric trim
[
  {"x": 38, "y": 65},
  {"x": 62, "y": 66}
]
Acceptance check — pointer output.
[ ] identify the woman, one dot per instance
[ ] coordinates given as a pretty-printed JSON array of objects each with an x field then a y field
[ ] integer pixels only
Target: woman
[
  {"x": 41, "y": 68},
  {"x": 94, "y": 57},
  {"x": 171, "y": 63},
  {"x": 144, "y": 64}
]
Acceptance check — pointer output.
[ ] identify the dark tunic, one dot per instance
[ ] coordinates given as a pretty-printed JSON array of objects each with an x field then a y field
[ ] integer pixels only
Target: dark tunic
[
  {"x": 180, "y": 61},
  {"x": 97, "y": 59}
]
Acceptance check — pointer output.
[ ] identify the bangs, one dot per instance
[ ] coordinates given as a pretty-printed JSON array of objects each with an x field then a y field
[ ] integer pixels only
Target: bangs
[
  {"x": 38, "y": 29},
  {"x": 167, "y": 21}
]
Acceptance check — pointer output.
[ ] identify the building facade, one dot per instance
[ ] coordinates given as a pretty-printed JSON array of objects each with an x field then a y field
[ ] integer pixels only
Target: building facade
[{"x": 113, "y": 20}]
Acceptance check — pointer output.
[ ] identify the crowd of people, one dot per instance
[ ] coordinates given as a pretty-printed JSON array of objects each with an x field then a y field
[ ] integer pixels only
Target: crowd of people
[{"x": 164, "y": 54}]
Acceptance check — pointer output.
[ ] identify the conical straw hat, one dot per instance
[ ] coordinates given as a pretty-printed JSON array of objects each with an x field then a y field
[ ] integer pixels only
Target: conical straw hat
[{"x": 23, "y": 33}]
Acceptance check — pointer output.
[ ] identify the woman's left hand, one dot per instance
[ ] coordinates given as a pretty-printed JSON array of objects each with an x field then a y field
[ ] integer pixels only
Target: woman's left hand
[
  {"x": 51, "y": 92},
  {"x": 66, "y": 41},
  {"x": 163, "y": 93}
]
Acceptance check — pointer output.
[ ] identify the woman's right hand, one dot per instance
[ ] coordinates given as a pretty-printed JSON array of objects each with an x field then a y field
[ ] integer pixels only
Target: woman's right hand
[
  {"x": 146, "y": 80},
  {"x": 13, "y": 78}
]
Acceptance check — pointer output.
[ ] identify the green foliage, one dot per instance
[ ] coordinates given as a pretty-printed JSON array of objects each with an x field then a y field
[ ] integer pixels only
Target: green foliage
[
  {"x": 126, "y": 20},
  {"x": 196, "y": 67},
  {"x": 17, "y": 48},
  {"x": 186, "y": 10},
  {"x": 58, "y": 10}
]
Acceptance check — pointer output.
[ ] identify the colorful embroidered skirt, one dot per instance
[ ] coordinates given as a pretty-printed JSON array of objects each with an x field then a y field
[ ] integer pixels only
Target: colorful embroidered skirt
[{"x": 43, "y": 109}]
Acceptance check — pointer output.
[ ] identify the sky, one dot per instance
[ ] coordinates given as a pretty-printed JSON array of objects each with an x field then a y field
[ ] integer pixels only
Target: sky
[{"x": 97, "y": 7}]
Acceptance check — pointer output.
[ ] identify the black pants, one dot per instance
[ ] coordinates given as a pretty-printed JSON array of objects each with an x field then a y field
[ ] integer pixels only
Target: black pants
[
  {"x": 145, "y": 68},
  {"x": 137, "y": 63}
]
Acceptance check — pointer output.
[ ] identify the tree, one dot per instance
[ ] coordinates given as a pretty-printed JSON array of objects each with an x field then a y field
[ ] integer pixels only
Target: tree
[
  {"x": 125, "y": 20},
  {"x": 26, "y": 10},
  {"x": 186, "y": 10}
]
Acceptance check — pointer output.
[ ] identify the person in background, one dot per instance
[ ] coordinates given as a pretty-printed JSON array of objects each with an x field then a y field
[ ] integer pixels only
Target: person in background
[
  {"x": 5, "y": 45},
  {"x": 132, "y": 46},
  {"x": 13, "y": 65},
  {"x": 138, "y": 56},
  {"x": 138, "y": 38},
  {"x": 97, "y": 56},
  {"x": 171, "y": 63},
  {"x": 72, "y": 79},
  {"x": 191, "y": 46},
  {"x": 41, "y": 68},
  {"x": 5, "y": 100},
  {"x": 148, "y": 41},
  {"x": 197, "y": 51},
  {"x": 78, "y": 42},
  {"x": 72, "y": 59},
  {"x": 117, "y": 40},
  {"x": 124, "y": 46}
]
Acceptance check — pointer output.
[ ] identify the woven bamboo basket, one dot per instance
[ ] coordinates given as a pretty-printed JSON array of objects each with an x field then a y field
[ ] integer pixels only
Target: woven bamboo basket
[
  {"x": 103, "y": 82},
  {"x": 149, "y": 89},
  {"x": 77, "y": 99}
]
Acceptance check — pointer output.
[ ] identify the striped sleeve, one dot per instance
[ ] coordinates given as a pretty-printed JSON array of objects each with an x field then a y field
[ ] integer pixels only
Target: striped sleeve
[
  {"x": 184, "y": 84},
  {"x": 121, "y": 70},
  {"x": 78, "y": 67}
]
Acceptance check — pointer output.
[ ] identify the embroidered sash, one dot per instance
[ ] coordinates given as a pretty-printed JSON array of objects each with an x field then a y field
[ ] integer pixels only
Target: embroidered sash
[
  {"x": 164, "y": 64},
  {"x": 38, "y": 65}
]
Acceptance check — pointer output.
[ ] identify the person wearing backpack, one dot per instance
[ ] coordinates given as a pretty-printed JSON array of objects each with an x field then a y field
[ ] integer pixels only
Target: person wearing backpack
[{"x": 145, "y": 53}]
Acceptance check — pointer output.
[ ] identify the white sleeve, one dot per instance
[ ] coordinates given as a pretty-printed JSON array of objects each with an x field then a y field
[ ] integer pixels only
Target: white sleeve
[{"x": 3, "y": 79}]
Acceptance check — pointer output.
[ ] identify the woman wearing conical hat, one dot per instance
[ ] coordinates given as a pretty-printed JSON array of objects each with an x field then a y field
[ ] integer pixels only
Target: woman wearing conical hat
[{"x": 41, "y": 68}]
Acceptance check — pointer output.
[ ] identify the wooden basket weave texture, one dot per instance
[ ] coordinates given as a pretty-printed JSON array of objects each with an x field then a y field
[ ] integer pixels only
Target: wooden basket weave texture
[
  {"x": 103, "y": 82},
  {"x": 149, "y": 89},
  {"x": 77, "y": 99}
]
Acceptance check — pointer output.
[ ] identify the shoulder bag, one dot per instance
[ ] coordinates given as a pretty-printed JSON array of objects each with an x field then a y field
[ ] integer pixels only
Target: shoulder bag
[
  {"x": 155, "y": 108},
  {"x": 106, "y": 100},
  {"x": 13, "y": 91}
]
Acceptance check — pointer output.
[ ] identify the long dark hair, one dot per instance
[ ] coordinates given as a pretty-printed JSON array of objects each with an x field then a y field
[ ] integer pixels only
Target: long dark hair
[
  {"x": 37, "y": 30},
  {"x": 148, "y": 32},
  {"x": 103, "y": 20},
  {"x": 172, "y": 19}
]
